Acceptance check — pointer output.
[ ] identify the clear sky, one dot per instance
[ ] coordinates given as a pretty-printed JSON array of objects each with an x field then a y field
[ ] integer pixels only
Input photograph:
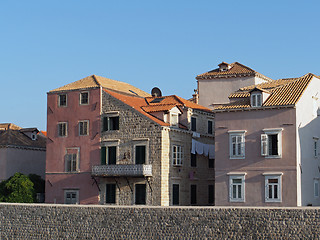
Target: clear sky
[{"x": 47, "y": 44}]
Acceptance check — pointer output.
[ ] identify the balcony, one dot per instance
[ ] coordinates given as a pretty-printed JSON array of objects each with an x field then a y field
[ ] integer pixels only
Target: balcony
[{"x": 122, "y": 170}]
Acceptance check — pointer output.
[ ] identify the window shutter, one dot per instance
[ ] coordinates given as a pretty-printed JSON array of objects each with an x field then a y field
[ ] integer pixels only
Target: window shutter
[
  {"x": 103, "y": 155},
  {"x": 242, "y": 146},
  {"x": 264, "y": 144},
  {"x": 105, "y": 124}
]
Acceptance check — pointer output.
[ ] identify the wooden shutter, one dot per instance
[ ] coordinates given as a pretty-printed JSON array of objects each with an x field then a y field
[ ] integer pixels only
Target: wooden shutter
[{"x": 264, "y": 145}]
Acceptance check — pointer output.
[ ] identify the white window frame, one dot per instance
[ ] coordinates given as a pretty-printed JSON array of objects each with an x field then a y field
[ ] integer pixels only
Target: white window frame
[
  {"x": 277, "y": 176},
  {"x": 84, "y": 133},
  {"x": 265, "y": 142},
  {"x": 66, "y": 129},
  {"x": 71, "y": 191},
  {"x": 237, "y": 176},
  {"x": 80, "y": 98},
  {"x": 316, "y": 187},
  {"x": 177, "y": 155},
  {"x": 254, "y": 100},
  {"x": 239, "y": 143},
  {"x": 67, "y": 154},
  {"x": 59, "y": 101}
]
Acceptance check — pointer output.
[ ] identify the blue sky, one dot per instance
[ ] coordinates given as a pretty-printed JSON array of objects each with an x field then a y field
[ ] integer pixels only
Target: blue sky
[{"x": 47, "y": 44}]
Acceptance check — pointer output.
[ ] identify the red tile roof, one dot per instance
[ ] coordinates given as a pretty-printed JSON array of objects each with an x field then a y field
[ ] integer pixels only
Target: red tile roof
[
  {"x": 148, "y": 105},
  {"x": 283, "y": 92}
]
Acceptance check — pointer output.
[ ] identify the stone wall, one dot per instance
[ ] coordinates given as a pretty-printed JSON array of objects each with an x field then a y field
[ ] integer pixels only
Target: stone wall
[{"x": 26, "y": 221}]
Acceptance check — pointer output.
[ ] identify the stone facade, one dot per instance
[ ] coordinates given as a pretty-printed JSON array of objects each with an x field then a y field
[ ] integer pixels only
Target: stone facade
[{"x": 26, "y": 221}]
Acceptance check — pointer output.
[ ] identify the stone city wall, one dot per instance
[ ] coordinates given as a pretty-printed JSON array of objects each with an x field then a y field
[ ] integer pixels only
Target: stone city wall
[{"x": 36, "y": 221}]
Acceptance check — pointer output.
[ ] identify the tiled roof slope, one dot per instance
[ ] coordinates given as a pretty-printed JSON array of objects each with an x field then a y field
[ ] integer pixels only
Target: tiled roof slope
[
  {"x": 16, "y": 138},
  {"x": 5, "y": 126},
  {"x": 147, "y": 105},
  {"x": 283, "y": 92},
  {"x": 94, "y": 81},
  {"x": 236, "y": 69}
]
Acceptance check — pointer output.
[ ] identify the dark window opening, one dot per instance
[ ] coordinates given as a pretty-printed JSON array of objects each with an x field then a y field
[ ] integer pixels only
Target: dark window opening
[
  {"x": 156, "y": 100},
  {"x": 193, "y": 160},
  {"x": 84, "y": 98},
  {"x": 210, "y": 127},
  {"x": 62, "y": 100},
  {"x": 140, "y": 154},
  {"x": 140, "y": 194},
  {"x": 211, "y": 194},
  {"x": 110, "y": 193},
  {"x": 211, "y": 163},
  {"x": 110, "y": 123},
  {"x": 193, "y": 124},
  {"x": 193, "y": 190},
  {"x": 175, "y": 194},
  {"x": 112, "y": 155},
  {"x": 273, "y": 144}
]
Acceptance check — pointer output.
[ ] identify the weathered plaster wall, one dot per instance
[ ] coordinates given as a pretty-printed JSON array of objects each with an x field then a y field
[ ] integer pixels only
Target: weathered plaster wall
[{"x": 26, "y": 221}]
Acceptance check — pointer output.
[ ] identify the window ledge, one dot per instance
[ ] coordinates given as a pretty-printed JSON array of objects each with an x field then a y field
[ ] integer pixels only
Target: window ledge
[
  {"x": 237, "y": 157},
  {"x": 236, "y": 200},
  {"x": 275, "y": 156}
]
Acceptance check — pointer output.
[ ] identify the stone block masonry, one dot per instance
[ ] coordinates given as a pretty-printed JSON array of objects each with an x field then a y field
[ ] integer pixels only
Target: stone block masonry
[{"x": 35, "y": 221}]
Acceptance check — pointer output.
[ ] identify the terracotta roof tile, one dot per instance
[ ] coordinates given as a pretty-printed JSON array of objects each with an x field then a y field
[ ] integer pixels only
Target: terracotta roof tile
[
  {"x": 95, "y": 81},
  {"x": 235, "y": 69},
  {"x": 147, "y": 105},
  {"x": 283, "y": 92}
]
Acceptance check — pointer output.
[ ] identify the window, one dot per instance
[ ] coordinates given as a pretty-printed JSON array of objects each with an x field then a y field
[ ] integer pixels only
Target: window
[
  {"x": 211, "y": 163},
  {"x": 71, "y": 197},
  {"x": 256, "y": 100},
  {"x": 71, "y": 159},
  {"x": 174, "y": 119},
  {"x": 237, "y": 144},
  {"x": 316, "y": 188},
  {"x": 83, "y": 128},
  {"x": 177, "y": 154},
  {"x": 62, "y": 129},
  {"x": 193, "y": 124},
  {"x": 175, "y": 194},
  {"x": 193, "y": 160},
  {"x": 236, "y": 188},
  {"x": 112, "y": 155},
  {"x": 84, "y": 98},
  {"x": 210, "y": 128},
  {"x": 140, "y": 154},
  {"x": 140, "y": 194},
  {"x": 273, "y": 188},
  {"x": 211, "y": 194},
  {"x": 315, "y": 146},
  {"x": 62, "y": 100},
  {"x": 193, "y": 194},
  {"x": 271, "y": 144},
  {"x": 110, "y": 193},
  {"x": 111, "y": 123}
]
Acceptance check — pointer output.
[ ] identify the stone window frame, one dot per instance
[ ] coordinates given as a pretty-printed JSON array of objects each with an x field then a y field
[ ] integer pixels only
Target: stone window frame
[
  {"x": 140, "y": 142},
  {"x": 72, "y": 191},
  {"x": 111, "y": 143},
  {"x": 115, "y": 193},
  {"x": 81, "y": 98},
  {"x": 60, "y": 100},
  {"x": 134, "y": 193},
  {"x": 195, "y": 123},
  {"x": 237, "y": 176},
  {"x": 196, "y": 194},
  {"x": 212, "y": 131},
  {"x": 59, "y": 126},
  {"x": 87, "y": 123},
  {"x": 106, "y": 120},
  {"x": 278, "y": 177}
]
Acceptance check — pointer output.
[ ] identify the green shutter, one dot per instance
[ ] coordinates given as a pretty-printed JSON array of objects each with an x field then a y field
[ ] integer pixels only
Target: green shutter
[
  {"x": 105, "y": 124},
  {"x": 103, "y": 155}
]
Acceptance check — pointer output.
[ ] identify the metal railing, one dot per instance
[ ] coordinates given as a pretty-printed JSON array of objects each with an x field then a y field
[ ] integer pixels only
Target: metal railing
[{"x": 125, "y": 170}]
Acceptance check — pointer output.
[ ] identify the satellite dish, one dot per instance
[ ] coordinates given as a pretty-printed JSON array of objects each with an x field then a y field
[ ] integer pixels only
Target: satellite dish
[{"x": 156, "y": 92}]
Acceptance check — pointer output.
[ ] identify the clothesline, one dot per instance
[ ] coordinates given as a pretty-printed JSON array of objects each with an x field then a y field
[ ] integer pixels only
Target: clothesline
[{"x": 202, "y": 148}]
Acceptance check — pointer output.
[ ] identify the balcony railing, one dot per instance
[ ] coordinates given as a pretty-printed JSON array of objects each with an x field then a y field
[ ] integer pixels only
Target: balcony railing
[{"x": 122, "y": 170}]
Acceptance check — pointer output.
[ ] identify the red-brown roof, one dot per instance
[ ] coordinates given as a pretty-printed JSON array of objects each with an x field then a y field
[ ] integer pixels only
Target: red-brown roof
[{"x": 148, "y": 105}]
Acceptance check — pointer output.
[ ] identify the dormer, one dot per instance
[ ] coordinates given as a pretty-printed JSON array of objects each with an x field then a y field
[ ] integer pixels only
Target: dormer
[
  {"x": 258, "y": 96},
  {"x": 173, "y": 116},
  {"x": 30, "y": 132},
  {"x": 224, "y": 66}
]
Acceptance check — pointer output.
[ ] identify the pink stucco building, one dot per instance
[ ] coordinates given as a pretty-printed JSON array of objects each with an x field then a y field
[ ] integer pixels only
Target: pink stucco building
[{"x": 267, "y": 148}]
